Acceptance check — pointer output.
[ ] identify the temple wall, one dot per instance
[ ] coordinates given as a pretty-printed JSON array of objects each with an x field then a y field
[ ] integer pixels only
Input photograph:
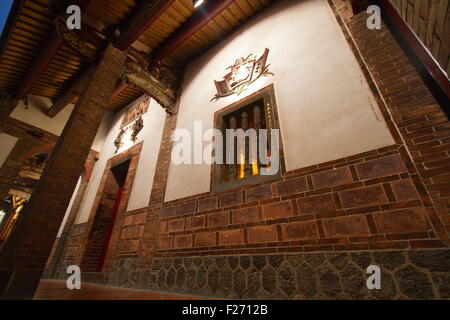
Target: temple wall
[
  {"x": 151, "y": 135},
  {"x": 365, "y": 188},
  {"x": 326, "y": 109}
]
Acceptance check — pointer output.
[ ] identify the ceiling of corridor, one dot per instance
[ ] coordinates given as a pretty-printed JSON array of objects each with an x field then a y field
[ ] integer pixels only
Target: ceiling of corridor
[{"x": 34, "y": 23}]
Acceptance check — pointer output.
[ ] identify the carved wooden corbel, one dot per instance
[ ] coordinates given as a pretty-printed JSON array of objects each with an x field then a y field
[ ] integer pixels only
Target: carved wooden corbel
[
  {"x": 160, "y": 82},
  {"x": 85, "y": 41}
]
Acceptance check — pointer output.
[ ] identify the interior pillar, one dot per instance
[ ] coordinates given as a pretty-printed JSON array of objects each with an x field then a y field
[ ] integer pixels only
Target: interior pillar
[{"x": 24, "y": 256}]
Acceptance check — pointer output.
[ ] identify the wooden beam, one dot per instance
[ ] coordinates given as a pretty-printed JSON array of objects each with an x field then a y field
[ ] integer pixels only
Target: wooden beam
[
  {"x": 42, "y": 60},
  {"x": 199, "y": 19},
  {"x": 120, "y": 87},
  {"x": 74, "y": 90},
  {"x": 146, "y": 14},
  {"x": 39, "y": 64}
]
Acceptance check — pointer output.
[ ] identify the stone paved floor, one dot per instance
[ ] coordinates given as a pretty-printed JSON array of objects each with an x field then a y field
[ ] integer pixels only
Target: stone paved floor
[{"x": 57, "y": 290}]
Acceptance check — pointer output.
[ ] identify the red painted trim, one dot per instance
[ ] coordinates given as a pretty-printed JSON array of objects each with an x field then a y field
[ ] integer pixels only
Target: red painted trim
[
  {"x": 39, "y": 65},
  {"x": 110, "y": 229},
  {"x": 417, "y": 46},
  {"x": 135, "y": 31},
  {"x": 199, "y": 19},
  {"x": 43, "y": 59},
  {"x": 120, "y": 87}
]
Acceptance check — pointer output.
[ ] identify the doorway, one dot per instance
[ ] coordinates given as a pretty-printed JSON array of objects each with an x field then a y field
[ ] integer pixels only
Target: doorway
[{"x": 101, "y": 231}]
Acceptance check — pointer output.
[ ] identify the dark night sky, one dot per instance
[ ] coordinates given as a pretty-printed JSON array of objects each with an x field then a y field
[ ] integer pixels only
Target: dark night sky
[{"x": 5, "y": 6}]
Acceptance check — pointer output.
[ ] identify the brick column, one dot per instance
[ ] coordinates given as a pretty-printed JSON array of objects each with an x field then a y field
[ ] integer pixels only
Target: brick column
[
  {"x": 148, "y": 245},
  {"x": 420, "y": 121},
  {"x": 60, "y": 245},
  {"x": 23, "y": 259}
]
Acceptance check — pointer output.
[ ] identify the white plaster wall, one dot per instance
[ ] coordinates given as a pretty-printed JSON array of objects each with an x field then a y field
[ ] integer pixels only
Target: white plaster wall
[
  {"x": 69, "y": 207},
  {"x": 102, "y": 132},
  {"x": 7, "y": 143},
  {"x": 154, "y": 121},
  {"x": 151, "y": 134},
  {"x": 34, "y": 114},
  {"x": 325, "y": 107}
]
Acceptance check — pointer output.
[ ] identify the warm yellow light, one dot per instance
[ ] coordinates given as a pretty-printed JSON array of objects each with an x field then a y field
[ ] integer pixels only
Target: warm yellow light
[
  {"x": 255, "y": 169},
  {"x": 126, "y": 140},
  {"x": 241, "y": 173}
]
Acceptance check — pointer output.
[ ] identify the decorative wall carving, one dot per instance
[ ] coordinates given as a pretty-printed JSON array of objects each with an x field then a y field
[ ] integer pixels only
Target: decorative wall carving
[
  {"x": 118, "y": 143},
  {"x": 136, "y": 128},
  {"x": 137, "y": 110},
  {"x": 242, "y": 73},
  {"x": 132, "y": 123}
]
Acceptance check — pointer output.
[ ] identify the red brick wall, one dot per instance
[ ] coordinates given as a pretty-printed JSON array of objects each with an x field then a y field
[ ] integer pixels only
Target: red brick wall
[
  {"x": 423, "y": 126},
  {"x": 367, "y": 201},
  {"x": 132, "y": 232}
]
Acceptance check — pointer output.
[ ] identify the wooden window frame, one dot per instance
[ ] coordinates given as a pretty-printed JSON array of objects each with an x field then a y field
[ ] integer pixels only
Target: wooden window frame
[{"x": 267, "y": 94}]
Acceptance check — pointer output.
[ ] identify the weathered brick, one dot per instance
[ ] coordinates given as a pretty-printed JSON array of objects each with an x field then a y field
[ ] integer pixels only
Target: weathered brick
[
  {"x": 363, "y": 197},
  {"x": 195, "y": 222},
  {"x": 404, "y": 190},
  {"x": 133, "y": 232},
  {"x": 206, "y": 239},
  {"x": 207, "y": 204},
  {"x": 124, "y": 245},
  {"x": 332, "y": 178},
  {"x": 186, "y": 208},
  {"x": 262, "y": 234},
  {"x": 292, "y": 186},
  {"x": 164, "y": 242},
  {"x": 231, "y": 199},
  {"x": 299, "y": 230},
  {"x": 381, "y": 167},
  {"x": 245, "y": 215},
  {"x": 168, "y": 212},
  {"x": 134, "y": 245},
  {"x": 259, "y": 193},
  {"x": 183, "y": 241},
  {"x": 231, "y": 237},
  {"x": 401, "y": 221},
  {"x": 346, "y": 226},
  {"x": 140, "y": 218},
  {"x": 129, "y": 220},
  {"x": 277, "y": 210},
  {"x": 175, "y": 225},
  {"x": 218, "y": 219},
  {"x": 162, "y": 226},
  {"x": 316, "y": 204}
]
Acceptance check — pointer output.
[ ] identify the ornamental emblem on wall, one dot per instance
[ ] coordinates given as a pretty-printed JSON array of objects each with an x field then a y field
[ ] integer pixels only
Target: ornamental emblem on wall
[
  {"x": 242, "y": 73},
  {"x": 132, "y": 123}
]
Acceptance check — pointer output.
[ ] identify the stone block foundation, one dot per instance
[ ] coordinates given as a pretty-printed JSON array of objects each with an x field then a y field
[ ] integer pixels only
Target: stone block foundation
[{"x": 405, "y": 274}]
